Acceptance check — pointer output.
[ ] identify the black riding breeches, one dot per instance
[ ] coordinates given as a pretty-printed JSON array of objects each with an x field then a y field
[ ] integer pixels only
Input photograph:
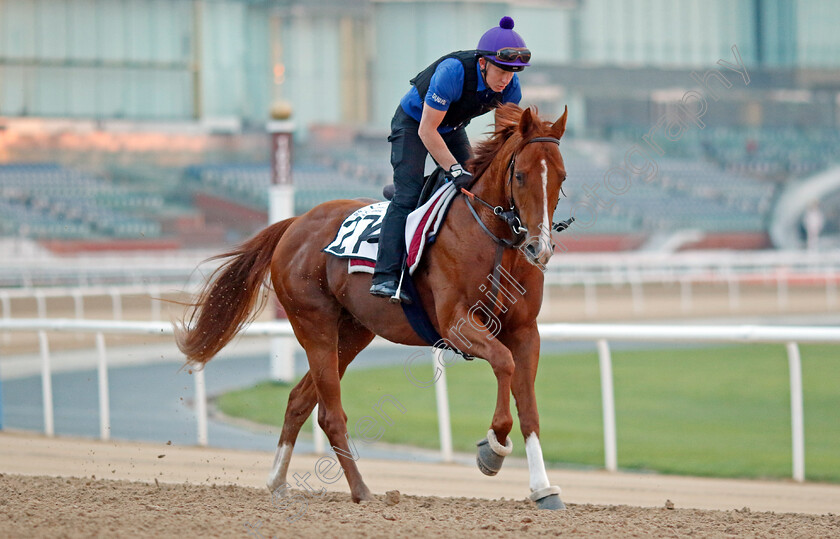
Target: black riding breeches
[{"x": 408, "y": 157}]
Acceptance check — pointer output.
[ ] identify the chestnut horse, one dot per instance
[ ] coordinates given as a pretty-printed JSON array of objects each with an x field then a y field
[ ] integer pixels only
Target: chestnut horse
[{"x": 519, "y": 169}]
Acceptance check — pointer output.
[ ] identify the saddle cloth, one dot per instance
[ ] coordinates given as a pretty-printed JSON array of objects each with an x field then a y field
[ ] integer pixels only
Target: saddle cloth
[{"x": 357, "y": 238}]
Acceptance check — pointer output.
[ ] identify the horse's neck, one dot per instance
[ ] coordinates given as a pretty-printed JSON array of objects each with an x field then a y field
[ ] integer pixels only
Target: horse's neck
[
  {"x": 479, "y": 255},
  {"x": 490, "y": 186}
]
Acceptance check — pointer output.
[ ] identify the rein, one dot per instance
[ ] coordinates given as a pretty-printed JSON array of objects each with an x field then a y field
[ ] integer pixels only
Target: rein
[{"x": 510, "y": 216}]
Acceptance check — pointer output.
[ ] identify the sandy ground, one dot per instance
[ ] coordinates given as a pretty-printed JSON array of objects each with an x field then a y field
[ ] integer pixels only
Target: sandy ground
[{"x": 80, "y": 488}]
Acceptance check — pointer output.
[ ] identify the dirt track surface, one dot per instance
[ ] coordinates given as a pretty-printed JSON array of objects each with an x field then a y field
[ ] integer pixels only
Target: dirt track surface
[
  {"x": 47, "y": 506},
  {"x": 128, "y": 489}
]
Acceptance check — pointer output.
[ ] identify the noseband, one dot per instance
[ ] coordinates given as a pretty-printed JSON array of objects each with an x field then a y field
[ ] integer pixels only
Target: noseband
[{"x": 511, "y": 215}]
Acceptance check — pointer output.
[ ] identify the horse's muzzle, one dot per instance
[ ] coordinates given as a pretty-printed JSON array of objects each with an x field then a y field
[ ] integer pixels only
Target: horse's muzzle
[{"x": 538, "y": 252}]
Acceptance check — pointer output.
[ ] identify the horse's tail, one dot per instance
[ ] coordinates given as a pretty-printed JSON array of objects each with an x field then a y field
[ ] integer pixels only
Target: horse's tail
[{"x": 226, "y": 302}]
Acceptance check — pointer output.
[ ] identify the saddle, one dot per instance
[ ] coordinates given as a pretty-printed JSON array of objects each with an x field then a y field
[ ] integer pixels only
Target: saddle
[{"x": 358, "y": 237}]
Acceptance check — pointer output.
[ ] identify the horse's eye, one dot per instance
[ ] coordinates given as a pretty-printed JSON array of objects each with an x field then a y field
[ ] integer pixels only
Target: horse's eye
[{"x": 520, "y": 178}]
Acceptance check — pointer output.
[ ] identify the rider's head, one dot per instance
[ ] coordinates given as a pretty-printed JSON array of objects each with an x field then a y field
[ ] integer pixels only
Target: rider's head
[{"x": 504, "y": 48}]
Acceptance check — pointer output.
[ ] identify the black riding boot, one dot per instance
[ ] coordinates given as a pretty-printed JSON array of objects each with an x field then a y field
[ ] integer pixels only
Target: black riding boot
[{"x": 391, "y": 254}]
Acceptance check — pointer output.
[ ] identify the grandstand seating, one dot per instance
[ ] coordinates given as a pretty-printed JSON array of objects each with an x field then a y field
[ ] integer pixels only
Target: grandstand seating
[
  {"x": 714, "y": 181},
  {"x": 684, "y": 195},
  {"x": 49, "y": 201},
  {"x": 248, "y": 184},
  {"x": 767, "y": 152}
]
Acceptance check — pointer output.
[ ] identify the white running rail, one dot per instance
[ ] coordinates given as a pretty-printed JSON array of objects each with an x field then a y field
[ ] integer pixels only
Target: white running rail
[
  {"x": 40, "y": 295},
  {"x": 599, "y": 333}
]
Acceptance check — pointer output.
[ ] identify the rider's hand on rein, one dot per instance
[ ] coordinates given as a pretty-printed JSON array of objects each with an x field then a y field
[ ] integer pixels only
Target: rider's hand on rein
[{"x": 460, "y": 177}]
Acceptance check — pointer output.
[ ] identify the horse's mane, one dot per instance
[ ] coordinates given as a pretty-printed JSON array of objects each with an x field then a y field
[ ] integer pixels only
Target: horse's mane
[{"x": 507, "y": 120}]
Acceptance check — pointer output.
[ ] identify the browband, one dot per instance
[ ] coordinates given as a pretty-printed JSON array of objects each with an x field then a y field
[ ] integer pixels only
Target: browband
[{"x": 544, "y": 139}]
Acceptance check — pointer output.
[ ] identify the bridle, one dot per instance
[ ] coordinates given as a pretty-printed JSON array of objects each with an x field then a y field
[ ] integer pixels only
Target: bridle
[{"x": 511, "y": 215}]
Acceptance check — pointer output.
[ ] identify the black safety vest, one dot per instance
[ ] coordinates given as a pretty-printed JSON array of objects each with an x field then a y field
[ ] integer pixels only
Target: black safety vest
[{"x": 468, "y": 106}]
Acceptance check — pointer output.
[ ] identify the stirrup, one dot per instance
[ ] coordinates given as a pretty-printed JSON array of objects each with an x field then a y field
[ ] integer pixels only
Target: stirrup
[{"x": 388, "y": 289}]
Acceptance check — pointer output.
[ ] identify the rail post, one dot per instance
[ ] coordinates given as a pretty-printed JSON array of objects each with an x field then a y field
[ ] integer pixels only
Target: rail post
[
  {"x": 281, "y": 205},
  {"x": 104, "y": 399},
  {"x": 442, "y": 399},
  {"x": 116, "y": 302},
  {"x": 41, "y": 302},
  {"x": 608, "y": 405},
  {"x": 46, "y": 384},
  {"x": 200, "y": 405},
  {"x": 796, "y": 412}
]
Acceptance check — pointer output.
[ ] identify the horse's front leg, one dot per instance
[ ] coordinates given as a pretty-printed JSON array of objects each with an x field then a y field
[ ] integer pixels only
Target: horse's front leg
[
  {"x": 472, "y": 337},
  {"x": 525, "y": 346}
]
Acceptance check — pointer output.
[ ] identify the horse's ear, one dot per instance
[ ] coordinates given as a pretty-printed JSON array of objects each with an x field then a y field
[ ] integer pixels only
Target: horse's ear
[
  {"x": 559, "y": 126},
  {"x": 526, "y": 121}
]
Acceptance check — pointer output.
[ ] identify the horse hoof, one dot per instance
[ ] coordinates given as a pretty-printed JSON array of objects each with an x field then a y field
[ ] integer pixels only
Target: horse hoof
[
  {"x": 491, "y": 454},
  {"x": 548, "y": 498},
  {"x": 551, "y": 502},
  {"x": 362, "y": 495},
  {"x": 275, "y": 486}
]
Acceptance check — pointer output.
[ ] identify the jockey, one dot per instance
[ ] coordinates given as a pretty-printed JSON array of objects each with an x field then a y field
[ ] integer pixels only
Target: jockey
[{"x": 454, "y": 89}]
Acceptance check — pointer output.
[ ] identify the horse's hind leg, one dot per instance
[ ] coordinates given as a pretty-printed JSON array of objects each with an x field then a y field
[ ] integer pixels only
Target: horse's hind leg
[
  {"x": 353, "y": 338},
  {"x": 323, "y": 365},
  {"x": 302, "y": 400}
]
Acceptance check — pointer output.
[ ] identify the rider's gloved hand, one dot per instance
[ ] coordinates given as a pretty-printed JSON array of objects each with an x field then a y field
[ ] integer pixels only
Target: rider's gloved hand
[{"x": 460, "y": 177}]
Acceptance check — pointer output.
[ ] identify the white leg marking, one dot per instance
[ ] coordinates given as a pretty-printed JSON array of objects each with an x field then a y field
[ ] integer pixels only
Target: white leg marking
[
  {"x": 277, "y": 475},
  {"x": 545, "y": 230},
  {"x": 536, "y": 466}
]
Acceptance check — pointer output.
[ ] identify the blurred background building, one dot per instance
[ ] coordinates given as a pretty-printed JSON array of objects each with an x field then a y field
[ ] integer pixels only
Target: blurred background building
[{"x": 141, "y": 123}]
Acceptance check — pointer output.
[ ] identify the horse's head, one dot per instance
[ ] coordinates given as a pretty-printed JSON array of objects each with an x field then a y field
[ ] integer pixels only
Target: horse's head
[{"x": 522, "y": 160}]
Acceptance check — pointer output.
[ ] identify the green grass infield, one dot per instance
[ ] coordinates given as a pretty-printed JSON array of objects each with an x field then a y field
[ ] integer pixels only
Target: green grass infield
[{"x": 718, "y": 411}]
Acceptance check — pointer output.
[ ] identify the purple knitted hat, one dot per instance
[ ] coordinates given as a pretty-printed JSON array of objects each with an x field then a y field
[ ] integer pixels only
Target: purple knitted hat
[{"x": 502, "y": 37}]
